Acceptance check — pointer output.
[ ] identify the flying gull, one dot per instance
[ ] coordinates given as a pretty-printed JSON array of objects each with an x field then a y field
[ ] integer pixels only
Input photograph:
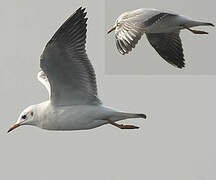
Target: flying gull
[
  {"x": 70, "y": 79},
  {"x": 161, "y": 28}
]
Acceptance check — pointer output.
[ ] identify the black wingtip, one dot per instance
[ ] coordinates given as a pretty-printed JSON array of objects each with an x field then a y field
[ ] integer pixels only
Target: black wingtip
[
  {"x": 180, "y": 63},
  {"x": 181, "y": 66},
  {"x": 77, "y": 22},
  {"x": 81, "y": 9},
  {"x": 142, "y": 116},
  {"x": 210, "y": 24}
]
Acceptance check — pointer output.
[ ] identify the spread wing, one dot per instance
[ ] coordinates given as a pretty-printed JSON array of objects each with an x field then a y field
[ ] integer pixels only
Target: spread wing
[
  {"x": 66, "y": 64},
  {"x": 130, "y": 27},
  {"x": 169, "y": 47},
  {"x": 127, "y": 36}
]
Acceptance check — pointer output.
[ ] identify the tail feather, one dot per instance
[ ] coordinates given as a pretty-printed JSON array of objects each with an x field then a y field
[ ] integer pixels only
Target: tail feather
[
  {"x": 131, "y": 115},
  {"x": 208, "y": 24},
  {"x": 198, "y": 23},
  {"x": 142, "y": 116}
]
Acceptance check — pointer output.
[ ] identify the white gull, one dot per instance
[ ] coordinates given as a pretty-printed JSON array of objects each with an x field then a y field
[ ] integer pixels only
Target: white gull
[
  {"x": 161, "y": 28},
  {"x": 70, "y": 79}
]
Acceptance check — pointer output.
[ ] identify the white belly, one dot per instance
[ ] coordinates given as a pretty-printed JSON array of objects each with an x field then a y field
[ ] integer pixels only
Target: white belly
[
  {"x": 169, "y": 24},
  {"x": 76, "y": 117}
]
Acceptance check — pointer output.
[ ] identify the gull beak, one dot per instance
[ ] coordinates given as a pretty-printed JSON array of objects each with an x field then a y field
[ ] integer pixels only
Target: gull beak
[
  {"x": 13, "y": 127},
  {"x": 111, "y": 30}
]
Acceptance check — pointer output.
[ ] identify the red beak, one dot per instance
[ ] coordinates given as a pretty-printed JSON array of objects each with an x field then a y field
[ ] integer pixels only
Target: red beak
[
  {"x": 111, "y": 30},
  {"x": 13, "y": 127}
]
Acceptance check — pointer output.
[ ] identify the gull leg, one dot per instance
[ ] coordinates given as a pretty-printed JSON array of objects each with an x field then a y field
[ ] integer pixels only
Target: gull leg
[
  {"x": 122, "y": 126},
  {"x": 195, "y": 31}
]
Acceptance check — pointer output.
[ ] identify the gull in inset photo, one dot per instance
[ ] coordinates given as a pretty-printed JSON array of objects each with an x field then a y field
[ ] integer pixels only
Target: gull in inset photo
[
  {"x": 161, "y": 28},
  {"x": 70, "y": 80}
]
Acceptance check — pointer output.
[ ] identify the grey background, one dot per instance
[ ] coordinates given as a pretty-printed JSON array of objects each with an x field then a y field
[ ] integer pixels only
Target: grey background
[
  {"x": 176, "y": 142},
  {"x": 199, "y": 50}
]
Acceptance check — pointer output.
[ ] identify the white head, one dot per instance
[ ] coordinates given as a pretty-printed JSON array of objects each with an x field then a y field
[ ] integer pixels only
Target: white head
[
  {"x": 119, "y": 22},
  {"x": 125, "y": 17},
  {"x": 27, "y": 117}
]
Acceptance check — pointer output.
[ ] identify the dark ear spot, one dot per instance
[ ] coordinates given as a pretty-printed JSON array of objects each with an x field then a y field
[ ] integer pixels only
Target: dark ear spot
[
  {"x": 24, "y": 117},
  {"x": 32, "y": 113}
]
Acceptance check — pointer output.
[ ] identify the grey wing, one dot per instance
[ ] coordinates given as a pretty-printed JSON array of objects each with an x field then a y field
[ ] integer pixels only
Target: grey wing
[
  {"x": 133, "y": 24},
  {"x": 65, "y": 62},
  {"x": 169, "y": 47},
  {"x": 127, "y": 37},
  {"x": 129, "y": 30}
]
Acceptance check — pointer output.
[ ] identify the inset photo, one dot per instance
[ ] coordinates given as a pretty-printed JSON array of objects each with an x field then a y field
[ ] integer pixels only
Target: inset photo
[{"x": 159, "y": 38}]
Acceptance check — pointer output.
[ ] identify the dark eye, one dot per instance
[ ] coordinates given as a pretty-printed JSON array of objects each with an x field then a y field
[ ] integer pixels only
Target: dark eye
[
  {"x": 32, "y": 113},
  {"x": 24, "y": 117}
]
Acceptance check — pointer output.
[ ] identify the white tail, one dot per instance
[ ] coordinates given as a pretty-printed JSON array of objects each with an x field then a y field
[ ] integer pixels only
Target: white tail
[
  {"x": 198, "y": 23},
  {"x": 121, "y": 115}
]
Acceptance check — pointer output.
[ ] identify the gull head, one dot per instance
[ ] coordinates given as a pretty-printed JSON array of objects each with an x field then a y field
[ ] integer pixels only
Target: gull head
[
  {"x": 126, "y": 16},
  {"x": 119, "y": 22},
  {"x": 27, "y": 117},
  {"x": 112, "y": 29}
]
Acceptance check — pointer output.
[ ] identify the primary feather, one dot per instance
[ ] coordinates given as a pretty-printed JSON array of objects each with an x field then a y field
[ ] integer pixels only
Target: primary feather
[
  {"x": 66, "y": 64},
  {"x": 162, "y": 30}
]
